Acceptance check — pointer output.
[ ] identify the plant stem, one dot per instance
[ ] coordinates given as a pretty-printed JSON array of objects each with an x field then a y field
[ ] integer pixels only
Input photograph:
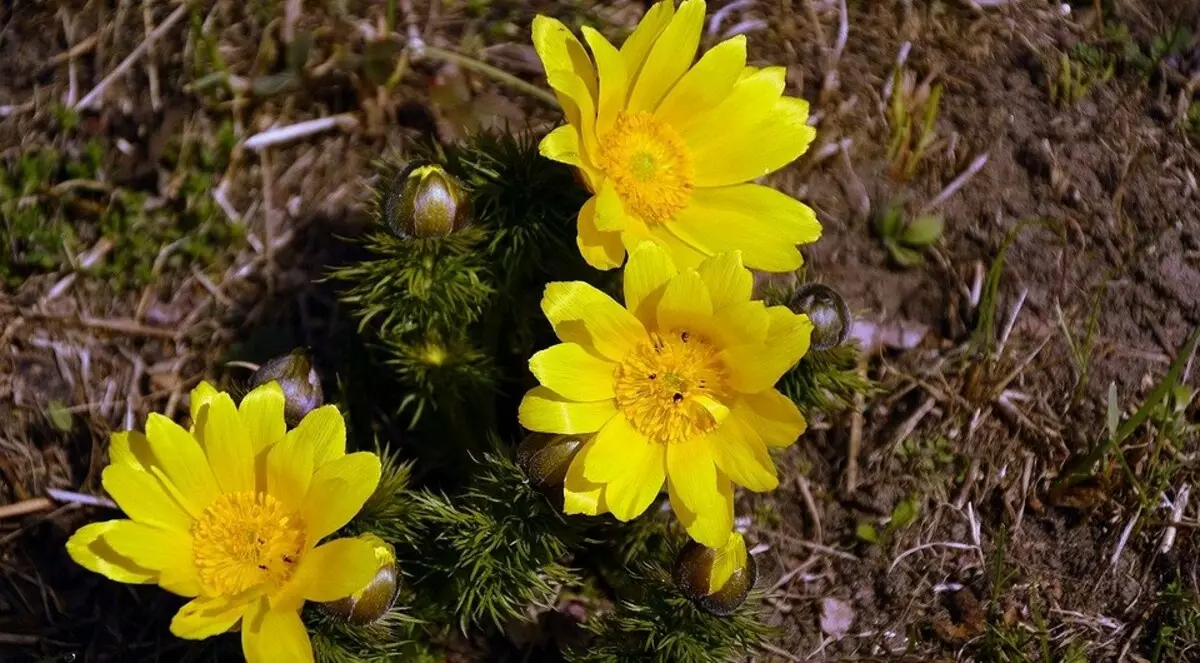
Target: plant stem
[{"x": 491, "y": 72}]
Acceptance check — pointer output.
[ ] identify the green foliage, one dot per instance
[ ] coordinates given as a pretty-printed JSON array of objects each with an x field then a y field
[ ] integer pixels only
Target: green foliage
[
  {"x": 1077, "y": 72},
  {"x": 394, "y": 638},
  {"x": 55, "y": 205},
  {"x": 911, "y": 116},
  {"x": 1174, "y": 625},
  {"x": 904, "y": 513},
  {"x": 488, "y": 552},
  {"x": 927, "y": 456},
  {"x": 826, "y": 380},
  {"x": 660, "y": 625},
  {"x": 906, "y": 241}
]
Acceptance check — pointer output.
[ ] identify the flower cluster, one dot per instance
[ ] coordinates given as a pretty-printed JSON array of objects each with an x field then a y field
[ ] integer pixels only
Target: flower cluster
[{"x": 676, "y": 387}]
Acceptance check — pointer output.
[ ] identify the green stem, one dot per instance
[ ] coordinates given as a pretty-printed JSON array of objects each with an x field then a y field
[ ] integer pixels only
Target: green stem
[{"x": 492, "y": 72}]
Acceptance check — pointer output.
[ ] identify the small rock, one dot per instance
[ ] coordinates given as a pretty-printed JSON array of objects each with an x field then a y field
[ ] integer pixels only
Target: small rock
[{"x": 836, "y": 617}]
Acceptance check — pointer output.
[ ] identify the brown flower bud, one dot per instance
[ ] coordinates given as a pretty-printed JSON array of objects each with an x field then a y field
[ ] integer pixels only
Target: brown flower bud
[
  {"x": 716, "y": 579},
  {"x": 296, "y": 376},
  {"x": 828, "y": 313},
  {"x": 545, "y": 457},
  {"x": 425, "y": 202},
  {"x": 370, "y": 603}
]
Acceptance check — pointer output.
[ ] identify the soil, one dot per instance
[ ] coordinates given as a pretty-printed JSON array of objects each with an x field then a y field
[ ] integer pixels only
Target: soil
[{"x": 1099, "y": 198}]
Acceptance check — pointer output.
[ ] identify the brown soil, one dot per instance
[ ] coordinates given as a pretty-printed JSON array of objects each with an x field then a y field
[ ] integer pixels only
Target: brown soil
[{"x": 991, "y": 553}]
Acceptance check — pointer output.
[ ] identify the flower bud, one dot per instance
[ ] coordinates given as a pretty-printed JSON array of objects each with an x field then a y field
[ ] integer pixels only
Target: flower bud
[
  {"x": 716, "y": 579},
  {"x": 296, "y": 376},
  {"x": 545, "y": 457},
  {"x": 828, "y": 312},
  {"x": 370, "y": 603},
  {"x": 425, "y": 202}
]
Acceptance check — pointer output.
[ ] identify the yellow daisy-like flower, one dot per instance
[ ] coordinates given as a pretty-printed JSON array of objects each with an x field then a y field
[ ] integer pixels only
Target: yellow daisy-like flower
[
  {"x": 230, "y": 514},
  {"x": 678, "y": 385},
  {"x": 669, "y": 148}
]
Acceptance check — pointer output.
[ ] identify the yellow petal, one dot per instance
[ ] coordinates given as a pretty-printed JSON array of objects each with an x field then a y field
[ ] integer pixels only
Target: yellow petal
[
  {"x": 705, "y": 85},
  {"x": 742, "y": 456},
  {"x": 646, "y": 276},
  {"x": 582, "y": 314},
  {"x": 764, "y": 224},
  {"x": 290, "y": 470},
  {"x": 338, "y": 491},
  {"x": 637, "y": 47},
  {"x": 228, "y": 446},
  {"x": 166, "y": 552},
  {"x": 637, "y": 480},
  {"x": 742, "y": 323},
  {"x": 610, "y": 213},
  {"x": 728, "y": 281},
  {"x": 201, "y": 396},
  {"x": 615, "y": 449},
  {"x": 682, "y": 254},
  {"x": 559, "y": 49},
  {"x": 323, "y": 429},
  {"x": 183, "y": 464},
  {"x": 751, "y": 99},
  {"x": 773, "y": 415},
  {"x": 562, "y": 145},
  {"x": 262, "y": 415},
  {"x": 143, "y": 498},
  {"x": 701, "y": 497},
  {"x": 131, "y": 448},
  {"x": 544, "y": 411},
  {"x": 206, "y": 616},
  {"x": 574, "y": 373},
  {"x": 684, "y": 301},
  {"x": 338, "y": 569},
  {"x": 89, "y": 550},
  {"x": 601, "y": 250},
  {"x": 728, "y": 559},
  {"x": 747, "y": 153},
  {"x": 574, "y": 90},
  {"x": 274, "y": 636},
  {"x": 579, "y": 494},
  {"x": 671, "y": 55},
  {"x": 755, "y": 368},
  {"x": 614, "y": 79}
]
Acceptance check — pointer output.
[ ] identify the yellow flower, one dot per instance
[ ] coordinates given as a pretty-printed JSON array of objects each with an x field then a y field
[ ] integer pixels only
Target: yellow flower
[
  {"x": 678, "y": 386},
  {"x": 669, "y": 148},
  {"x": 230, "y": 514}
]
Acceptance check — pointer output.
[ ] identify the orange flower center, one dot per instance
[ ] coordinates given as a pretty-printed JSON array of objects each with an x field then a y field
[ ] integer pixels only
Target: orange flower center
[
  {"x": 649, "y": 165},
  {"x": 671, "y": 388},
  {"x": 244, "y": 540}
]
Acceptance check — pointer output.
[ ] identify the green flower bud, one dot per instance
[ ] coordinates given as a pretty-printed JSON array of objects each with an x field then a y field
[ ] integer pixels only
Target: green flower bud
[
  {"x": 296, "y": 376},
  {"x": 545, "y": 457},
  {"x": 828, "y": 312},
  {"x": 425, "y": 202},
  {"x": 716, "y": 579},
  {"x": 370, "y": 603}
]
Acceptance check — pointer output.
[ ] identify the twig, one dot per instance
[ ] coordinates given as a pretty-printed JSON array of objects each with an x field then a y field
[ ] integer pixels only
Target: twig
[
  {"x": 912, "y": 422},
  {"x": 128, "y": 62},
  {"x": 25, "y": 508},
  {"x": 811, "y": 505},
  {"x": 1181, "y": 502},
  {"x": 779, "y": 652},
  {"x": 79, "y": 498},
  {"x": 957, "y": 183},
  {"x": 1012, "y": 320},
  {"x": 856, "y": 433},
  {"x": 491, "y": 72},
  {"x": 942, "y": 544},
  {"x": 1116, "y": 556},
  {"x": 284, "y": 134}
]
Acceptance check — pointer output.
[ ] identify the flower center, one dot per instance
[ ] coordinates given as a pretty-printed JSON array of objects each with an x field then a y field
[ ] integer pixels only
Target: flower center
[
  {"x": 671, "y": 388},
  {"x": 649, "y": 165},
  {"x": 244, "y": 540}
]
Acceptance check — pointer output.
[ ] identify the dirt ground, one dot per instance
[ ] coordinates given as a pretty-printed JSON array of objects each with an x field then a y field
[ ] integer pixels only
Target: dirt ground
[{"x": 931, "y": 523}]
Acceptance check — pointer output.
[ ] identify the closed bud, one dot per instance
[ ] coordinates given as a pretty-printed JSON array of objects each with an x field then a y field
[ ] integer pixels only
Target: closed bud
[
  {"x": 372, "y": 602},
  {"x": 828, "y": 313},
  {"x": 299, "y": 380},
  {"x": 716, "y": 579},
  {"x": 425, "y": 202},
  {"x": 545, "y": 457}
]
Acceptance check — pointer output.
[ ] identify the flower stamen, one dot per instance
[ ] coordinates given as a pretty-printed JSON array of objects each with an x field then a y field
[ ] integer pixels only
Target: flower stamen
[
  {"x": 671, "y": 388},
  {"x": 649, "y": 164},
  {"x": 244, "y": 540}
]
